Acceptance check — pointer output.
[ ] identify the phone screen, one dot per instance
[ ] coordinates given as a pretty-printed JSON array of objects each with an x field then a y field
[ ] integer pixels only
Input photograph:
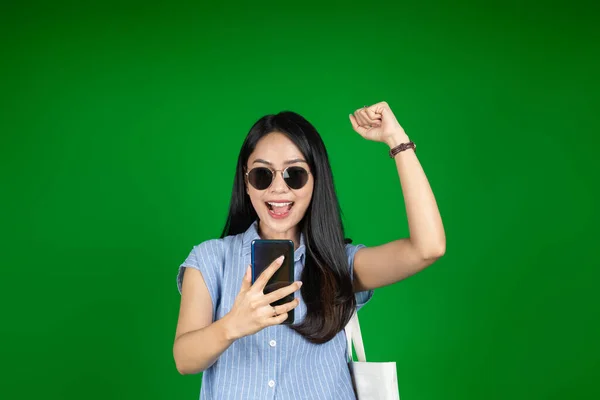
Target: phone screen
[{"x": 264, "y": 252}]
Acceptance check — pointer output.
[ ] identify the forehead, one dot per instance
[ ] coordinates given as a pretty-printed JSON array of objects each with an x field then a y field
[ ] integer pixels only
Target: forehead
[{"x": 275, "y": 148}]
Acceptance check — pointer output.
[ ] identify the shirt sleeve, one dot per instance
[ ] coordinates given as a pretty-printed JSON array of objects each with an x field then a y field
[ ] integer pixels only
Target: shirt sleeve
[
  {"x": 207, "y": 257},
  {"x": 363, "y": 297}
]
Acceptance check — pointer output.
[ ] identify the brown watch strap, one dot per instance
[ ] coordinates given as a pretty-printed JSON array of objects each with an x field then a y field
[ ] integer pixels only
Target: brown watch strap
[{"x": 402, "y": 147}]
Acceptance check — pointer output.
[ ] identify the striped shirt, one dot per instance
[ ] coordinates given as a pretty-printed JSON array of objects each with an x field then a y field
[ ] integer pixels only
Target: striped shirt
[{"x": 276, "y": 362}]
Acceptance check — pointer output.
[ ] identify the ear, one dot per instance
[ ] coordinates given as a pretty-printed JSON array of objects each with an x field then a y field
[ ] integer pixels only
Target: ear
[{"x": 246, "y": 184}]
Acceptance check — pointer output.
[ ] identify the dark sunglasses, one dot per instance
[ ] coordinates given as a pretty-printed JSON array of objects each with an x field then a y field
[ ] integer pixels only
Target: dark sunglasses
[{"x": 262, "y": 177}]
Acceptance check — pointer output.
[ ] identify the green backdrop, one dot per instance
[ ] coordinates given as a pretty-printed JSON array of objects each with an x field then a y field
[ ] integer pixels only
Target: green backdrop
[{"x": 120, "y": 126}]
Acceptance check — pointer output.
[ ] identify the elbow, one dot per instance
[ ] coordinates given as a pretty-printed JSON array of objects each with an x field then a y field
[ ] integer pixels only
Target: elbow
[
  {"x": 434, "y": 252},
  {"x": 180, "y": 368},
  {"x": 180, "y": 365},
  {"x": 184, "y": 369},
  {"x": 187, "y": 366},
  {"x": 183, "y": 363}
]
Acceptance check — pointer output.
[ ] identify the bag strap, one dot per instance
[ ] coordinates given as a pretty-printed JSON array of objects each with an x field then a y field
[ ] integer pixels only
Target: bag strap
[{"x": 354, "y": 336}]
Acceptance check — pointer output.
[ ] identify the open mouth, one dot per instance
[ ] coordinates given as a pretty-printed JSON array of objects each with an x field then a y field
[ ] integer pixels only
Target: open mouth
[{"x": 279, "y": 209}]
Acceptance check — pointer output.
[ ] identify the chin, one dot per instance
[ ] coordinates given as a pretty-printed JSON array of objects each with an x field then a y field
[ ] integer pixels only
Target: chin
[{"x": 282, "y": 225}]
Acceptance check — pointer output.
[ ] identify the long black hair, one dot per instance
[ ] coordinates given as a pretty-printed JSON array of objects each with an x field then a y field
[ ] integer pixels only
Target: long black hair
[{"x": 327, "y": 286}]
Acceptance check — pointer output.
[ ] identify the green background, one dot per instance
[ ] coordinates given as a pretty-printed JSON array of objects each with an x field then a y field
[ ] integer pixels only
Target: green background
[{"x": 120, "y": 127}]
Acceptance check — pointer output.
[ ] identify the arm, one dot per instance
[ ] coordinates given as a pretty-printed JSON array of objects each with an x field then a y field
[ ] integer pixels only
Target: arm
[
  {"x": 386, "y": 264},
  {"x": 198, "y": 341}
]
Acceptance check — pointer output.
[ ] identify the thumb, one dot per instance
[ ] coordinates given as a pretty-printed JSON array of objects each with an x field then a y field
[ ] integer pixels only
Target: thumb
[{"x": 247, "y": 281}]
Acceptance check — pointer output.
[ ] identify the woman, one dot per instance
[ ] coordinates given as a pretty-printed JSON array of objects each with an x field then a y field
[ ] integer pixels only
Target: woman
[{"x": 283, "y": 189}]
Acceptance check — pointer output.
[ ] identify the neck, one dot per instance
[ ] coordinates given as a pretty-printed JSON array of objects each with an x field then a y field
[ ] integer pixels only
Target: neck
[{"x": 292, "y": 234}]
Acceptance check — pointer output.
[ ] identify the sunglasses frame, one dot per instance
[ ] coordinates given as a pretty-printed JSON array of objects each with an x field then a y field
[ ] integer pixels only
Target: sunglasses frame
[{"x": 274, "y": 172}]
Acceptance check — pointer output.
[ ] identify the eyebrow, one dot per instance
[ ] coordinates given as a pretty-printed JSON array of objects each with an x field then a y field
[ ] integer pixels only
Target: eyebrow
[{"x": 293, "y": 161}]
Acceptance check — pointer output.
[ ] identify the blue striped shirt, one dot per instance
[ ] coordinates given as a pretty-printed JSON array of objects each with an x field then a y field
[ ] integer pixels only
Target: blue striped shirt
[{"x": 276, "y": 362}]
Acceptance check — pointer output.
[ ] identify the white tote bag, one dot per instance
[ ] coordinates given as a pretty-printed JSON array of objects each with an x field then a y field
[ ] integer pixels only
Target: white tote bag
[{"x": 372, "y": 380}]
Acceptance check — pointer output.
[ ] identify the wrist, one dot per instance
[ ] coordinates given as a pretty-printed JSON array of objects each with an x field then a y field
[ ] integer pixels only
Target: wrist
[
  {"x": 397, "y": 139},
  {"x": 228, "y": 330}
]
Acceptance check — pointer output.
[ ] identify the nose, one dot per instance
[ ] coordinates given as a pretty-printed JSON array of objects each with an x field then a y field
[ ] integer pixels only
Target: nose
[{"x": 278, "y": 185}]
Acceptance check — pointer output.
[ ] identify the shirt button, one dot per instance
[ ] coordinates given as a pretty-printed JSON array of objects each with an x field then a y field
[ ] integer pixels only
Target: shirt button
[
  {"x": 272, "y": 343},
  {"x": 271, "y": 383}
]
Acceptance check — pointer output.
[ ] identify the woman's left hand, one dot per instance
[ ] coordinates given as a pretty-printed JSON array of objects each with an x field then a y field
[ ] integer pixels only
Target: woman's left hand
[{"x": 378, "y": 123}]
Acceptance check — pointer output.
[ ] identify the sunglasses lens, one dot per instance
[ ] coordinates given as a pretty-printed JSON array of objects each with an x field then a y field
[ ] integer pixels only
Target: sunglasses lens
[
  {"x": 295, "y": 177},
  {"x": 260, "y": 178}
]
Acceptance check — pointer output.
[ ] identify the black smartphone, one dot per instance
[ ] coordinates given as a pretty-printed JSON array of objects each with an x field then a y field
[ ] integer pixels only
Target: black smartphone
[{"x": 264, "y": 252}]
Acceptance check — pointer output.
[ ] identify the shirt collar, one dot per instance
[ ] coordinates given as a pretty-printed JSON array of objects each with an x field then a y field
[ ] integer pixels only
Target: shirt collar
[{"x": 252, "y": 234}]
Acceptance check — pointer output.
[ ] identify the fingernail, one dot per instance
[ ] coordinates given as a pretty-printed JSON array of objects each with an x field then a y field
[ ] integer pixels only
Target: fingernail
[
  {"x": 280, "y": 259},
  {"x": 299, "y": 283}
]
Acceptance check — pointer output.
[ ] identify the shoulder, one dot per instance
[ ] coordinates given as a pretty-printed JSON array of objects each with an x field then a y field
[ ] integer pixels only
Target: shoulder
[
  {"x": 206, "y": 257},
  {"x": 209, "y": 248},
  {"x": 216, "y": 249},
  {"x": 351, "y": 250},
  {"x": 362, "y": 297}
]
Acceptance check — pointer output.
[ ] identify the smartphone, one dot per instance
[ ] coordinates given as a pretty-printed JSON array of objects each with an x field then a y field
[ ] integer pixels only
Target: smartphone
[{"x": 263, "y": 253}]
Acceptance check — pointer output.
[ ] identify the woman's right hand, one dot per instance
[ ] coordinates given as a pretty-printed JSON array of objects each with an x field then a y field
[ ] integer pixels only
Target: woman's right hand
[{"x": 252, "y": 310}]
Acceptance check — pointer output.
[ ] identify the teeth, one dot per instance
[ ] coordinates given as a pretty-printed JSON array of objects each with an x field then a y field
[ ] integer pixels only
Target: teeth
[{"x": 279, "y": 204}]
